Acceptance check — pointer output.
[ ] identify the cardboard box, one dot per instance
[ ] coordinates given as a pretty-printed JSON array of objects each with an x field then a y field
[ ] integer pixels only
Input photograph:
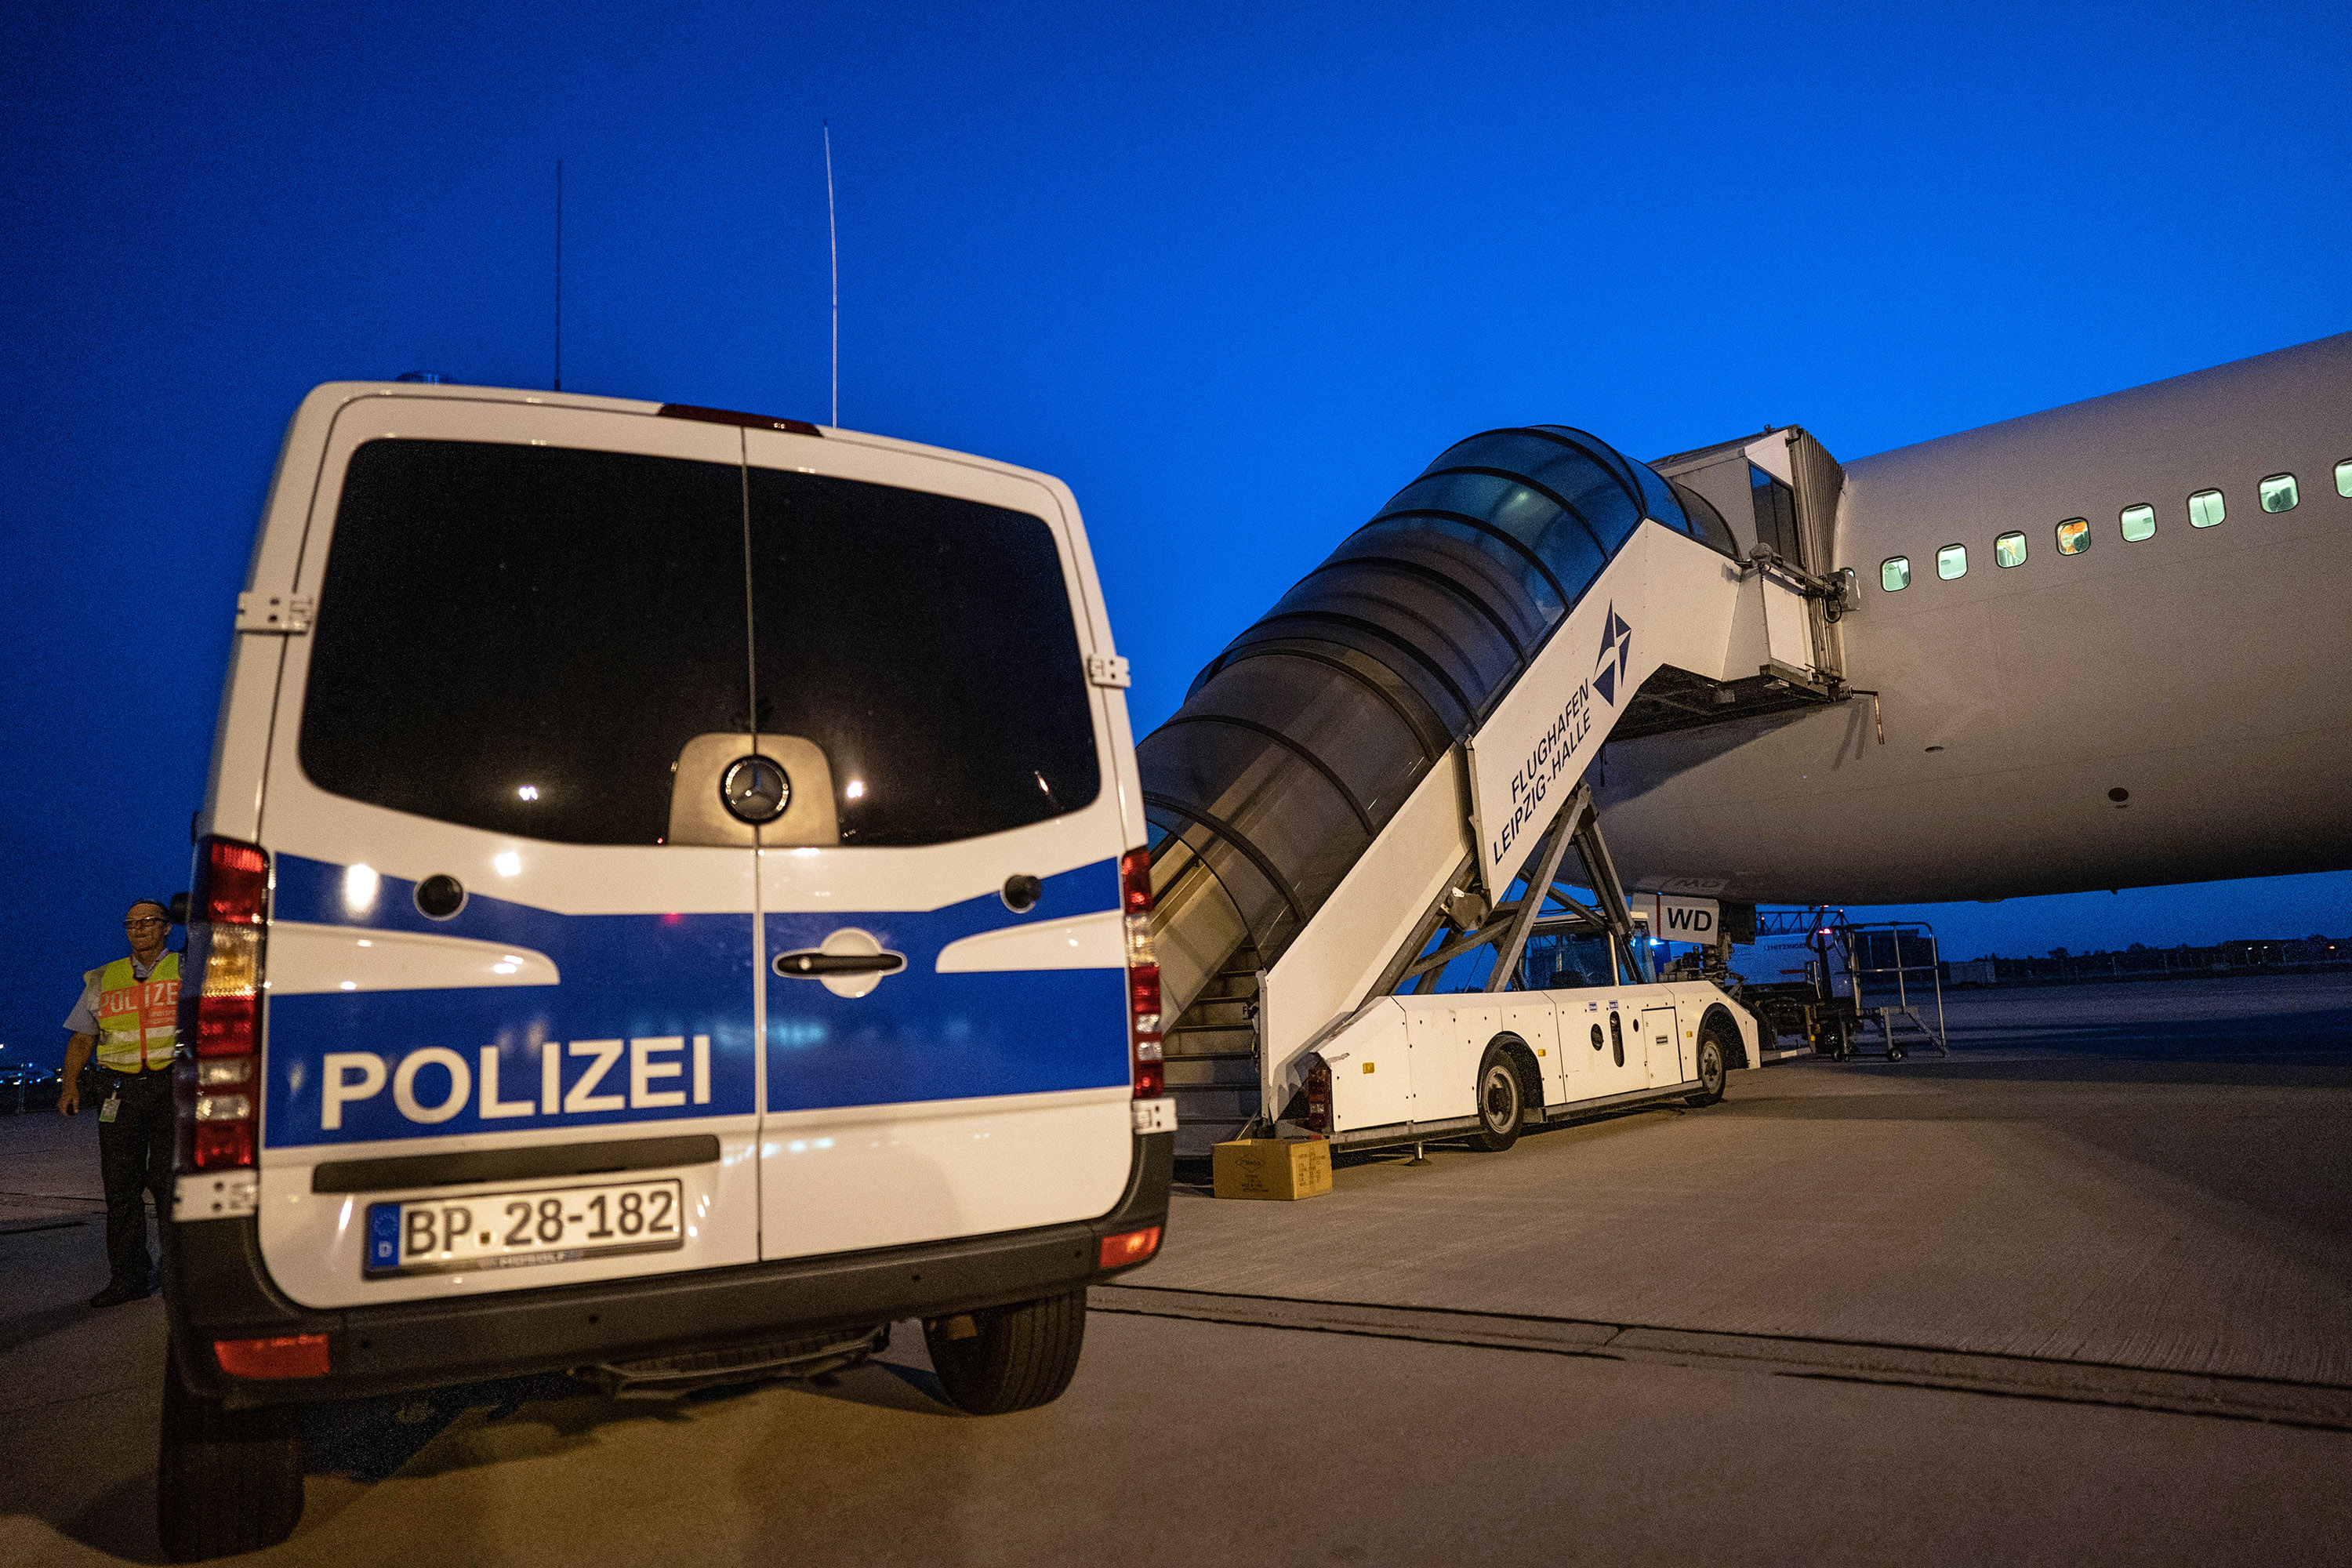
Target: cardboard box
[{"x": 1272, "y": 1168}]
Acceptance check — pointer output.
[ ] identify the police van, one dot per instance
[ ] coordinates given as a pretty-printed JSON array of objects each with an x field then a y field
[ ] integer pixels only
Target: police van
[{"x": 669, "y": 903}]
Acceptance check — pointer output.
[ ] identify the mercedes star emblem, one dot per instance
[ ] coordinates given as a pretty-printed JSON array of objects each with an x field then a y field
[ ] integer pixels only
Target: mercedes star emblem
[{"x": 755, "y": 790}]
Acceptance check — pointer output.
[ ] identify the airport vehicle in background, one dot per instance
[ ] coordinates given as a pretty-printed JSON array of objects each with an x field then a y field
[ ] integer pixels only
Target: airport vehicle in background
[
  {"x": 1882, "y": 976},
  {"x": 1582, "y": 1026},
  {"x": 670, "y": 903},
  {"x": 28, "y": 1089}
]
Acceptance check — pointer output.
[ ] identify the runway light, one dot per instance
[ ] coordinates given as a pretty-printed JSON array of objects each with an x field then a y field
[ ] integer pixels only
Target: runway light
[{"x": 529, "y": 791}]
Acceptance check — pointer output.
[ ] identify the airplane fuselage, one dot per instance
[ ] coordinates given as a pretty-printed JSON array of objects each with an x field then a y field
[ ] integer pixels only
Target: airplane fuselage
[{"x": 2171, "y": 708}]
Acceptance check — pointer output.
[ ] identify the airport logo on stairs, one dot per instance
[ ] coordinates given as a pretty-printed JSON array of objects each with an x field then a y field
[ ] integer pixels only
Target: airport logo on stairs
[{"x": 1616, "y": 653}]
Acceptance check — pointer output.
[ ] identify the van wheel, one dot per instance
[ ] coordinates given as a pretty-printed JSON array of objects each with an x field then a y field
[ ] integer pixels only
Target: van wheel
[
  {"x": 1014, "y": 1359},
  {"x": 1714, "y": 1053},
  {"x": 1502, "y": 1103},
  {"x": 226, "y": 1480}
]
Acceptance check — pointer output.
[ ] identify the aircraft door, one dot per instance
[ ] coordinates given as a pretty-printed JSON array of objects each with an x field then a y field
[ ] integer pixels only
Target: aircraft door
[{"x": 1787, "y": 630}]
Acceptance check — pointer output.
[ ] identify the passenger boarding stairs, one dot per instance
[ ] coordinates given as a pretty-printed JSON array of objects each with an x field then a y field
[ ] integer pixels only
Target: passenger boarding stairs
[
  {"x": 1212, "y": 1055},
  {"x": 1369, "y": 775}
]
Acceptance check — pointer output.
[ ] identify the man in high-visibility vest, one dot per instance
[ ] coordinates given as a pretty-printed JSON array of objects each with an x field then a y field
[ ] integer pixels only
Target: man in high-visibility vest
[{"x": 129, "y": 1012}]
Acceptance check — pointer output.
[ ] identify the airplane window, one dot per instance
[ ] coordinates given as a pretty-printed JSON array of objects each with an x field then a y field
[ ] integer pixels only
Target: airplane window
[
  {"x": 2278, "y": 493},
  {"x": 1894, "y": 572},
  {"x": 2074, "y": 536},
  {"x": 2009, "y": 550},
  {"x": 2205, "y": 508},
  {"x": 2344, "y": 477},
  {"x": 1952, "y": 560},
  {"x": 2139, "y": 522}
]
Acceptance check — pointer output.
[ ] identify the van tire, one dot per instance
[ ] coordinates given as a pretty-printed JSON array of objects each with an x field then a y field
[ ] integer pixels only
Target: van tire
[
  {"x": 1714, "y": 1060},
  {"x": 227, "y": 1480},
  {"x": 1018, "y": 1358},
  {"x": 1502, "y": 1101}
]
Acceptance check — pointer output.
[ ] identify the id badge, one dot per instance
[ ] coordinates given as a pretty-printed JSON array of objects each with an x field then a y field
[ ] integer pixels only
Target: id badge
[{"x": 113, "y": 1103}]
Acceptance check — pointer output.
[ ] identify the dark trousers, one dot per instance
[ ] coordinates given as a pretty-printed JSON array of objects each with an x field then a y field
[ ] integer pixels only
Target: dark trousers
[{"x": 134, "y": 1155}]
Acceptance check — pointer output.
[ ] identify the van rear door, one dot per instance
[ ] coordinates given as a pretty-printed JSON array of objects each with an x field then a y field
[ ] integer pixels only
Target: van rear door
[
  {"x": 945, "y": 1013},
  {"x": 510, "y": 1032}
]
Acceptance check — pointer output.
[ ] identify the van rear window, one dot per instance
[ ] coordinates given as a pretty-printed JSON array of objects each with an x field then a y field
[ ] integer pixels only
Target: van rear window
[
  {"x": 927, "y": 644},
  {"x": 524, "y": 639}
]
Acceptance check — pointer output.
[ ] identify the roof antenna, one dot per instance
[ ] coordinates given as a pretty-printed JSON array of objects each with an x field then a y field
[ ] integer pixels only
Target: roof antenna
[
  {"x": 832, "y": 244},
  {"x": 558, "y": 275}
]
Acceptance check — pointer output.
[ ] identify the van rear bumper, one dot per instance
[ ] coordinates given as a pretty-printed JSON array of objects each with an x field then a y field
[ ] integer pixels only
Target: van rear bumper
[{"x": 215, "y": 1288}]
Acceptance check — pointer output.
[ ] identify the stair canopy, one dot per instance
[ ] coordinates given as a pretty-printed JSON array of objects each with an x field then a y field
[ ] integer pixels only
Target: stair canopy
[{"x": 1301, "y": 740}]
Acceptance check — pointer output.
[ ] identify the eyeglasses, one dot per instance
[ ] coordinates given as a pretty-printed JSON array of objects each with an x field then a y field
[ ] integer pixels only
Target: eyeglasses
[{"x": 149, "y": 920}]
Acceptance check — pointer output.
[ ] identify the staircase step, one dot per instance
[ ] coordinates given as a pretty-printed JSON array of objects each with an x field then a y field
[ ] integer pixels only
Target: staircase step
[
  {"x": 1173, "y": 1052},
  {"x": 1193, "y": 1073},
  {"x": 1220, "y": 1104},
  {"x": 1217, "y": 1014}
]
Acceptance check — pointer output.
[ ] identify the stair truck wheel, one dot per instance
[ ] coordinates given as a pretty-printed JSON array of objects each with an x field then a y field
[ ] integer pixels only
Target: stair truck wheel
[
  {"x": 227, "y": 1480},
  {"x": 1016, "y": 1358},
  {"x": 1715, "y": 1048},
  {"x": 1502, "y": 1101}
]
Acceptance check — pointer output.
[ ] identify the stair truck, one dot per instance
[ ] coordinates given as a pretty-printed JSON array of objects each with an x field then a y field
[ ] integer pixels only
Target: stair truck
[{"x": 1368, "y": 922}]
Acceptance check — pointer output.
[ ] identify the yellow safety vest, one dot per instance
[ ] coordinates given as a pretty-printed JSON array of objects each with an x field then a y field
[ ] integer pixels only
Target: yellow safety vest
[{"x": 131, "y": 1010}]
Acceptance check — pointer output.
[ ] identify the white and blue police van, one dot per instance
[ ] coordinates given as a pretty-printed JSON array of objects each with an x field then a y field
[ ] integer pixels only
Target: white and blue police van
[{"x": 670, "y": 903}]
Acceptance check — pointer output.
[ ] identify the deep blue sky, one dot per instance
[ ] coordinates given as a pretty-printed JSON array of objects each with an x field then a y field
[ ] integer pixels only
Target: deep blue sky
[{"x": 1235, "y": 272}]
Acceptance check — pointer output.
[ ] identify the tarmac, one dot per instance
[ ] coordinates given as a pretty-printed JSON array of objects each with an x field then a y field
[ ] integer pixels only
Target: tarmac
[{"x": 2078, "y": 1293}]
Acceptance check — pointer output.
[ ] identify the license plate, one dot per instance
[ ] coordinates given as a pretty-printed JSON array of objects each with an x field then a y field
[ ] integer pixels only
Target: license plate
[{"x": 516, "y": 1230}]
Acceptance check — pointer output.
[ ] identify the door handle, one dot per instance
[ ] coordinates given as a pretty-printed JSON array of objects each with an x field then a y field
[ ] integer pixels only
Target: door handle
[
  {"x": 814, "y": 963},
  {"x": 849, "y": 962}
]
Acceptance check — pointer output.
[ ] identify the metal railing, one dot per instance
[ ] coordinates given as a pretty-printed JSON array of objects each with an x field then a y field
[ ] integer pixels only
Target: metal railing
[{"x": 1877, "y": 963}]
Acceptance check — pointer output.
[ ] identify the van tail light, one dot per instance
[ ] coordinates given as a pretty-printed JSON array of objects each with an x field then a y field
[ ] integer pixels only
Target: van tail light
[
  {"x": 217, "y": 1088},
  {"x": 1318, "y": 1096},
  {"x": 1143, "y": 974},
  {"x": 1128, "y": 1247},
  {"x": 284, "y": 1355}
]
